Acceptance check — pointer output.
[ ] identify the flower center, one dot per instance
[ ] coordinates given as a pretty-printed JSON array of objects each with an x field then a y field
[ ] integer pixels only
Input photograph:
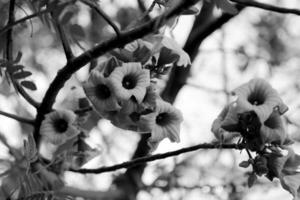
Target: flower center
[
  {"x": 60, "y": 125},
  {"x": 102, "y": 91},
  {"x": 163, "y": 119},
  {"x": 129, "y": 82},
  {"x": 257, "y": 98}
]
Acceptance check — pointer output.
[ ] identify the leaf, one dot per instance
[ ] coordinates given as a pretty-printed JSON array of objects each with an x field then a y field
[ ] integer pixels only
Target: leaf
[
  {"x": 191, "y": 11},
  {"x": 225, "y": 6},
  {"x": 18, "y": 58},
  {"x": 244, "y": 164},
  {"x": 29, "y": 85},
  {"x": 15, "y": 68},
  {"x": 77, "y": 31},
  {"x": 21, "y": 75},
  {"x": 251, "y": 180}
]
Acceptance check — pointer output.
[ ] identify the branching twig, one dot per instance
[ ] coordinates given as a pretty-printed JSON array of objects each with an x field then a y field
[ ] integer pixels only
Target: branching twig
[
  {"x": 64, "y": 39},
  {"x": 18, "y": 118},
  {"x": 75, "y": 64},
  {"x": 9, "y": 54},
  {"x": 104, "y": 15},
  {"x": 145, "y": 159},
  {"x": 9, "y": 26},
  {"x": 267, "y": 7}
]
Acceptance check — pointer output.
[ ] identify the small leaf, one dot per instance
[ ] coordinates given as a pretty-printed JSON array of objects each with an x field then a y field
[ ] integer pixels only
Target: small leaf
[
  {"x": 21, "y": 75},
  {"x": 15, "y": 68},
  {"x": 18, "y": 58},
  {"x": 251, "y": 180},
  {"x": 77, "y": 31},
  {"x": 29, "y": 85},
  {"x": 244, "y": 164},
  {"x": 191, "y": 11}
]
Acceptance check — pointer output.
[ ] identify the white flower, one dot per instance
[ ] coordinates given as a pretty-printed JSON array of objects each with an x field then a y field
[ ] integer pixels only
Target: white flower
[
  {"x": 58, "y": 126},
  {"x": 98, "y": 89},
  {"x": 130, "y": 80},
  {"x": 167, "y": 122},
  {"x": 259, "y": 96}
]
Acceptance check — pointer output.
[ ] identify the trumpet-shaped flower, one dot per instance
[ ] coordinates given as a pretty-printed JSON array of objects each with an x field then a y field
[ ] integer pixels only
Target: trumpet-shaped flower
[
  {"x": 130, "y": 80},
  {"x": 167, "y": 122},
  {"x": 99, "y": 90},
  {"x": 259, "y": 96},
  {"x": 287, "y": 169},
  {"x": 58, "y": 127},
  {"x": 224, "y": 127}
]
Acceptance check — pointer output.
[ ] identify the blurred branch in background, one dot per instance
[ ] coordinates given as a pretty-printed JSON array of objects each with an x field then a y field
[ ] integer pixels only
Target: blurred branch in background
[
  {"x": 18, "y": 118},
  {"x": 267, "y": 7}
]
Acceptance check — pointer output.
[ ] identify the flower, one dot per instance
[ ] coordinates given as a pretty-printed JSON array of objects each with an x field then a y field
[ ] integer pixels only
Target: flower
[
  {"x": 77, "y": 101},
  {"x": 58, "y": 126},
  {"x": 286, "y": 168},
  {"x": 136, "y": 51},
  {"x": 272, "y": 130},
  {"x": 130, "y": 80},
  {"x": 259, "y": 96},
  {"x": 167, "y": 122},
  {"x": 107, "y": 66},
  {"x": 224, "y": 127},
  {"x": 99, "y": 90},
  {"x": 162, "y": 42}
]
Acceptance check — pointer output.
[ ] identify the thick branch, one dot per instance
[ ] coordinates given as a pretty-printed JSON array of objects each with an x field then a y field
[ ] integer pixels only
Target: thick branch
[
  {"x": 75, "y": 64},
  {"x": 267, "y": 7},
  {"x": 18, "y": 118},
  {"x": 145, "y": 159}
]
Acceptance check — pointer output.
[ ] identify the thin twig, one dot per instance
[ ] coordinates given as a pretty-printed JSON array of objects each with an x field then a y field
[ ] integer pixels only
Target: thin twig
[
  {"x": 64, "y": 39},
  {"x": 267, "y": 7},
  {"x": 26, "y": 96},
  {"x": 158, "y": 157},
  {"x": 104, "y": 15},
  {"x": 17, "y": 118},
  {"x": 78, "y": 62},
  {"x": 9, "y": 26}
]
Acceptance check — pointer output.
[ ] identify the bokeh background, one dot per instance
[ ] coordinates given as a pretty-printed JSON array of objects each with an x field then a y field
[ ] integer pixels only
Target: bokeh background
[{"x": 255, "y": 43}]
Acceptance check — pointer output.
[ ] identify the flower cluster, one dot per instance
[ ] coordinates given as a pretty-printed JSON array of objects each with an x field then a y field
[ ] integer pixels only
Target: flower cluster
[
  {"x": 122, "y": 88},
  {"x": 255, "y": 116}
]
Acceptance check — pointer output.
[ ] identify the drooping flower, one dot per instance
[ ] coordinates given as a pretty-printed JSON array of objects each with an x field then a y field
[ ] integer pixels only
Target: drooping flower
[
  {"x": 259, "y": 96},
  {"x": 99, "y": 90},
  {"x": 272, "y": 130},
  {"x": 137, "y": 117},
  {"x": 58, "y": 127},
  {"x": 224, "y": 127},
  {"x": 77, "y": 101},
  {"x": 106, "y": 67},
  {"x": 162, "y": 42},
  {"x": 130, "y": 80},
  {"x": 167, "y": 122},
  {"x": 136, "y": 51},
  {"x": 287, "y": 169}
]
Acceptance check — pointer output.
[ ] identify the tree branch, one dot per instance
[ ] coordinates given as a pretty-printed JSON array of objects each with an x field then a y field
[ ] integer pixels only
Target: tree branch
[
  {"x": 104, "y": 15},
  {"x": 77, "y": 63},
  {"x": 267, "y": 7},
  {"x": 145, "y": 159},
  {"x": 18, "y": 118},
  {"x": 64, "y": 39}
]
